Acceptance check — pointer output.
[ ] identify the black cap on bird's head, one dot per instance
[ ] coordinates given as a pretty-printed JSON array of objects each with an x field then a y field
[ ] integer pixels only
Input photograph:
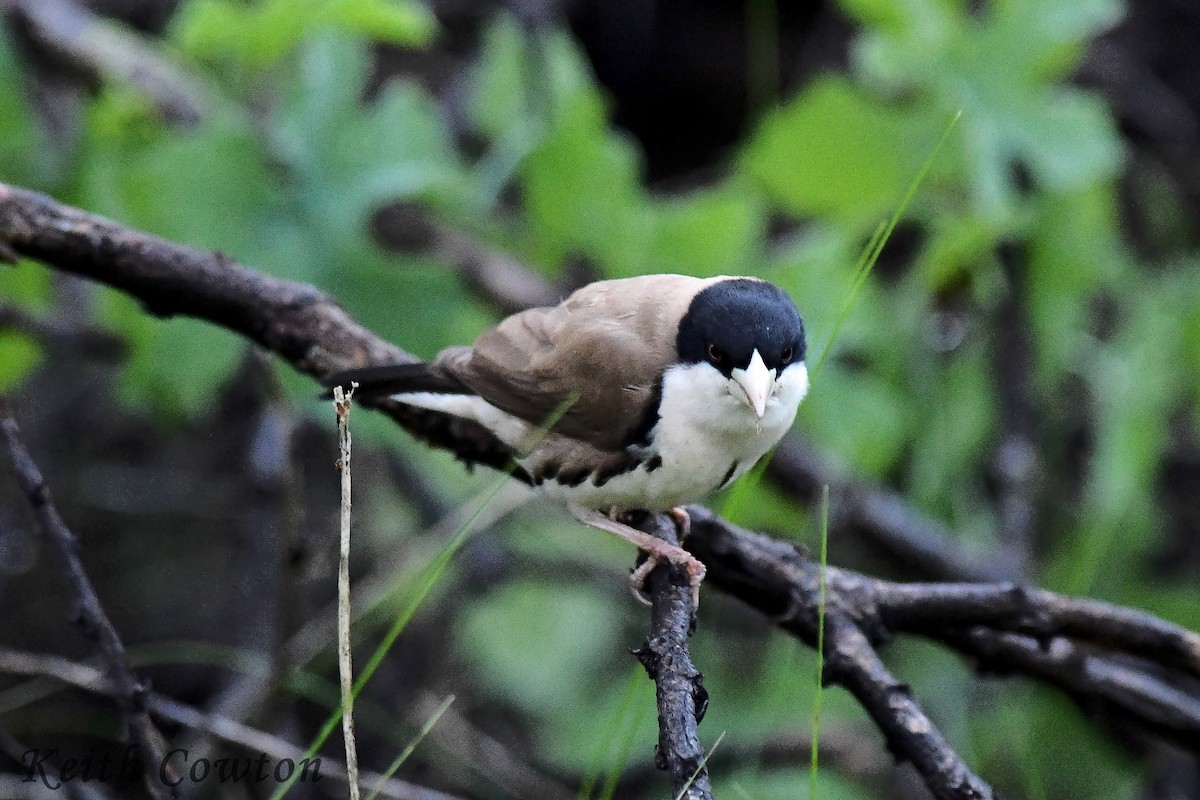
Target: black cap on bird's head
[
  {"x": 730, "y": 319},
  {"x": 749, "y": 331}
]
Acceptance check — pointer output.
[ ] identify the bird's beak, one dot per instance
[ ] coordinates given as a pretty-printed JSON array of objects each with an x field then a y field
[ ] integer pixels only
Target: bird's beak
[{"x": 757, "y": 382}]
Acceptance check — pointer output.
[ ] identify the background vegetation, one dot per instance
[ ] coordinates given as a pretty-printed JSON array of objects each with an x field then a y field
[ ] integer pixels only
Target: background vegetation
[{"x": 1024, "y": 365}]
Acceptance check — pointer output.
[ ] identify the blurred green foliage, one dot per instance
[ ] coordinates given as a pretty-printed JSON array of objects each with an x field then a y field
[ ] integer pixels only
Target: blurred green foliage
[{"x": 299, "y": 151}]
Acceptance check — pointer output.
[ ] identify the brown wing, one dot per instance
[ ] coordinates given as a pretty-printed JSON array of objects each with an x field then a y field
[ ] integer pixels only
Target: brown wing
[{"x": 606, "y": 346}]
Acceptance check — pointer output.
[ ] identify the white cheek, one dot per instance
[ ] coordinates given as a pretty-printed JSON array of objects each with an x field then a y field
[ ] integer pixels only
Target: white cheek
[{"x": 792, "y": 385}]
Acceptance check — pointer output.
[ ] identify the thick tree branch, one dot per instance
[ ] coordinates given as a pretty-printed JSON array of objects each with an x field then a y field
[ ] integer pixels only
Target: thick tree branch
[
  {"x": 295, "y": 321},
  {"x": 1001, "y": 626}
]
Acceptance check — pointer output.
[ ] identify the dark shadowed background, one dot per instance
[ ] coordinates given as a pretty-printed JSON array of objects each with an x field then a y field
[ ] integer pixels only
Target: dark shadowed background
[{"x": 1023, "y": 366}]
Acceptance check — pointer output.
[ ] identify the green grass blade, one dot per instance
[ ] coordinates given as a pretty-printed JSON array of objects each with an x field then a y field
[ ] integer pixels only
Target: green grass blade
[
  {"x": 739, "y": 496},
  {"x": 875, "y": 246},
  {"x": 609, "y": 790},
  {"x": 700, "y": 766},
  {"x": 426, "y": 580},
  {"x": 816, "y": 718},
  {"x": 615, "y": 723},
  {"x": 400, "y": 759}
]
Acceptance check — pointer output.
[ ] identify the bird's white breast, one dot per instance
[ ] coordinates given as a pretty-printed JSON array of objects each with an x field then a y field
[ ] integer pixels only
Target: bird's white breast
[{"x": 705, "y": 437}]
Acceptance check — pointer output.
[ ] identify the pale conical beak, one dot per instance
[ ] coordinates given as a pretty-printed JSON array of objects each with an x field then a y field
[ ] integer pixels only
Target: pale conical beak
[{"x": 756, "y": 382}]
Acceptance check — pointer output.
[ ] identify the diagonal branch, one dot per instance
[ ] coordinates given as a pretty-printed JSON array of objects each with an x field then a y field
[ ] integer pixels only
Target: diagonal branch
[
  {"x": 129, "y": 692},
  {"x": 1147, "y": 675},
  {"x": 295, "y": 321}
]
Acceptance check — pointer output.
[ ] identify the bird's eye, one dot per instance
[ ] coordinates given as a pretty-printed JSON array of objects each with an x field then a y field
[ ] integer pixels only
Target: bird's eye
[
  {"x": 715, "y": 354},
  {"x": 786, "y": 358}
]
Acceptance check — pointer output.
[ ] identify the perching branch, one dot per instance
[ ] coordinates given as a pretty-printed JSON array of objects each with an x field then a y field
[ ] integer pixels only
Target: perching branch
[
  {"x": 999, "y": 626},
  {"x": 129, "y": 692},
  {"x": 682, "y": 699}
]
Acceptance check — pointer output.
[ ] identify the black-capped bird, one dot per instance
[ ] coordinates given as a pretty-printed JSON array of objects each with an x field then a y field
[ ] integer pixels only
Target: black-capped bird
[{"x": 660, "y": 389}]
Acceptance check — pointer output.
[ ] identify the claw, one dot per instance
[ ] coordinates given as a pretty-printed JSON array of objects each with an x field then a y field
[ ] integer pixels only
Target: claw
[{"x": 683, "y": 521}]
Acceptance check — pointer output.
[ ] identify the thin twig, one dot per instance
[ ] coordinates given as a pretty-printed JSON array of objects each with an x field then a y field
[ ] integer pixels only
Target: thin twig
[
  {"x": 107, "y": 50},
  {"x": 92, "y": 679},
  {"x": 682, "y": 699},
  {"x": 130, "y": 693},
  {"x": 341, "y": 405},
  {"x": 53, "y": 333},
  {"x": 1015, "y": 463}
]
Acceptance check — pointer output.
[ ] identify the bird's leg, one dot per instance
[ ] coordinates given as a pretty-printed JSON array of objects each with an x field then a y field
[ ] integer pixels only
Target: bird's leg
[{"x": 656, "y": 551}]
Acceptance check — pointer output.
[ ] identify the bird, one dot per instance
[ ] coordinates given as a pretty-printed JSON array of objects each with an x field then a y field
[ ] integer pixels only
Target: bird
[{"x": 633, "y": 394}]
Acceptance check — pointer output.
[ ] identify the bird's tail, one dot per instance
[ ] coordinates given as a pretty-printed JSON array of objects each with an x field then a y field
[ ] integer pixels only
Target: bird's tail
[{"x": 390, "y": 379}]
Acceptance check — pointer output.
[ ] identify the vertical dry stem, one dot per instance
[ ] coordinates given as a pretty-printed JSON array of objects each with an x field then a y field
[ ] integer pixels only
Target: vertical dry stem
[{"x": 341, "y": 405}]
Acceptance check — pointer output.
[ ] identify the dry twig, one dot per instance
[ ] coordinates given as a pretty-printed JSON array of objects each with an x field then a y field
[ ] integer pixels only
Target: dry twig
[
  {"x": 130, "y": 694},
  {"x": 91, "y": 679},
  {"x": 341, "y": 405}
]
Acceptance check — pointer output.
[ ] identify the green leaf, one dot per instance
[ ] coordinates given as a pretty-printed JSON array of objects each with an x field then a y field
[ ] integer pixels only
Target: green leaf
[
  {"x": 175, "y": 365},
  {"x": 267, "y": 31},
  {"x": 583, "y": 193},
  {"x": 1075, "y": 253},
  {"x": 716, "y": 232},
  {"x": 348, "y": 159},
  {"x": 534, "y": 659},
  {"x": 958, "y": 423},
  {"x": 396, "y": 148},
  {"x": 406, "y": 23},
  {"x": 1001, "y": 67},
  {"x": 831, "y": 151},
  {"x": 500, "y": 90},
  {"x": 860, "y": 416},
  {"x": 19, "y": 354},
  {"x": 24, "y": 158},
  {"x": 27, "y": 284}
]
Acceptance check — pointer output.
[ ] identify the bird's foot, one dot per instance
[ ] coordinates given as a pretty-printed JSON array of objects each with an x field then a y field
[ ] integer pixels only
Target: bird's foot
[
  {"x": 657, "y": 551},
  {"x": 692, "y": 567},
  {"x": 683, "y": 521}
]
